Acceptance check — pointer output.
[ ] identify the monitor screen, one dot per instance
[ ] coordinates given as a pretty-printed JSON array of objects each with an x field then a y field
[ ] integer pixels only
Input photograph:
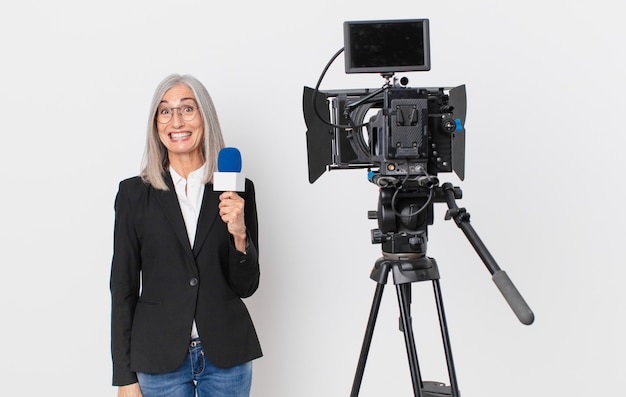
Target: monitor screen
[{"x": 387, "y": 46}]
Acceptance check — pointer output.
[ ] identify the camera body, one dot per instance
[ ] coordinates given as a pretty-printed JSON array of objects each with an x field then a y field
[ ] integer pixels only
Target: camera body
[
  {"x": 396, "y": 131},
  {"x": 413, "y": 132}
]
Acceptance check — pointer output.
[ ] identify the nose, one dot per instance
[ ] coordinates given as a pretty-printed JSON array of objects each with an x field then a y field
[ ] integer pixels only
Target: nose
[{"x": 177, "y": 118}]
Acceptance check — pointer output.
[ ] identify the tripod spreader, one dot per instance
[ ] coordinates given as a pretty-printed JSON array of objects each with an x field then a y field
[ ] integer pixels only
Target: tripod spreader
[{"x": 500, "y": 278}]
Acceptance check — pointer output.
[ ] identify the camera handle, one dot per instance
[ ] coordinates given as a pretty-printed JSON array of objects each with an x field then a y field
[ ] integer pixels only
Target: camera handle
[{"x": 500, "y": 278}]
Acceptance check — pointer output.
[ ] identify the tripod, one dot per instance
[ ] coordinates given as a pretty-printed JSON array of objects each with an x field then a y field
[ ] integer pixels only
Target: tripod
[{"x": 403, "y": 217}]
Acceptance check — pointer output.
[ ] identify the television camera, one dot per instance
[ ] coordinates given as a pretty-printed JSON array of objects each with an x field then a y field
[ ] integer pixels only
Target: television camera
[{"x": 405, "y": 137}]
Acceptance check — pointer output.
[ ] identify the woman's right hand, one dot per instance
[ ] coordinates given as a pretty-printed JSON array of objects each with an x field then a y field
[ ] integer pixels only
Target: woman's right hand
[{"x": 131, "y": 390}]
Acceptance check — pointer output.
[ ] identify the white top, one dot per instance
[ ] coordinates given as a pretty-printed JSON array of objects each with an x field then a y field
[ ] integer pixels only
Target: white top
[{"x": 190, "y": 193}]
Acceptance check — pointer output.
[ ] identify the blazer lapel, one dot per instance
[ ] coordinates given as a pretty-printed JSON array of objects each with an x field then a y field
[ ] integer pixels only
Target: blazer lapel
[
  {"x": 209, "y": 212},
  {"x": 171, "y": 208}
]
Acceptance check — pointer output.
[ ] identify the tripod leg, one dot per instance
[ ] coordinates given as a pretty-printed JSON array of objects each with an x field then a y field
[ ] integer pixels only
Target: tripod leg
[
  {"x": 403, "y": 292},
  {"x": 446, "y": 339},
  {"x": 367, "y": 341}
]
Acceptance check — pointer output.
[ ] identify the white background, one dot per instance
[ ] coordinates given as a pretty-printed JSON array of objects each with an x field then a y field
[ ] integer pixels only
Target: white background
[{"x": 544, "y": 185}]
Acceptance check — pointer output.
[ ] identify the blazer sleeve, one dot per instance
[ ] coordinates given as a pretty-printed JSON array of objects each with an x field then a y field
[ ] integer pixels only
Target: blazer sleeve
[
  {"x": 124, "y": 286},
  {"x": 243, "y": 268}
]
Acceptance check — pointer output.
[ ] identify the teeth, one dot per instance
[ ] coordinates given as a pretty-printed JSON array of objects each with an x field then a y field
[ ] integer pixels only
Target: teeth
[{"x": 179, "y": 135}]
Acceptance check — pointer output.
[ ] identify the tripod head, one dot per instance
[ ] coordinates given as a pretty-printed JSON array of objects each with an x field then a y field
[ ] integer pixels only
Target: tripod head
[{"x": 405, "y": 210}]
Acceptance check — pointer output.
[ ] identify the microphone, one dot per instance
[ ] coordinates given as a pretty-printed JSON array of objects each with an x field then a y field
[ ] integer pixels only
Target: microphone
[{"x": 228, "y": 176}]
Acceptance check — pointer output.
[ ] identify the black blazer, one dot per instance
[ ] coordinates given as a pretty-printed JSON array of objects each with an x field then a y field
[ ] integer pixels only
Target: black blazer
[{"x": 160, "y": 284}]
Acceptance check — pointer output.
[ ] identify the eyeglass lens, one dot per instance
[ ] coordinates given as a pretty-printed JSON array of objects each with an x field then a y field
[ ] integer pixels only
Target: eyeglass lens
[{"x": 186, "y": 110}]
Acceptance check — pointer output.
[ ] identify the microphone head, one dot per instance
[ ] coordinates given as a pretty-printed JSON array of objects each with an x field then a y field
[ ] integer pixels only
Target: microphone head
[{"x": 229, "y": 160}]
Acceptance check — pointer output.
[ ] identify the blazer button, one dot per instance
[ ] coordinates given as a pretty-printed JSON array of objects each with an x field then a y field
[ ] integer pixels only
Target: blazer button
[{"x": 193, "y": 282}]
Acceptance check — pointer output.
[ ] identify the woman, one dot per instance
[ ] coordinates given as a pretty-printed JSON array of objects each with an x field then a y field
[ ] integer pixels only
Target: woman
[{"x": 184, "y": 257}]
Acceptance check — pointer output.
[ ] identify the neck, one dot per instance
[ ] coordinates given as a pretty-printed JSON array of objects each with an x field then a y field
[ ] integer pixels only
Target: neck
[{"x": 185, "y": 164}]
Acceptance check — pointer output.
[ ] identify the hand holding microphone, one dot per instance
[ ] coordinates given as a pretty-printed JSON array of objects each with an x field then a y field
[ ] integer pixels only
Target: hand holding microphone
[
  {"x": 232, "y": 213},
  {"x": 229, "y": 180}
]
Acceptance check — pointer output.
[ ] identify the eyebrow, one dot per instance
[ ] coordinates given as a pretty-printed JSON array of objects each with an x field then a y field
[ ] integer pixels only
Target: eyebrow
[{"x": 181, "y": 100}]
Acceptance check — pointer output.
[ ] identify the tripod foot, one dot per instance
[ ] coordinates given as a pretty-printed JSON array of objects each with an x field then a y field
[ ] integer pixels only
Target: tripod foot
[{"x": 436, "y": 389}]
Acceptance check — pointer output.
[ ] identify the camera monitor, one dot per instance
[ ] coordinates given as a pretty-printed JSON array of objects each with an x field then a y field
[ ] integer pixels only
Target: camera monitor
[{"x": 386, "y": 46}]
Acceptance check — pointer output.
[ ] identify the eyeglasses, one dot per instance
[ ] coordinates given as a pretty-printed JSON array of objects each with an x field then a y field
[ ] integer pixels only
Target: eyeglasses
[{"x": 186, "y": 111}]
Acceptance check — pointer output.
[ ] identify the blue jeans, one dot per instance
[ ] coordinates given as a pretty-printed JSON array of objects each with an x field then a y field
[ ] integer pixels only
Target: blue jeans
[{"x": 198, "y": 375}]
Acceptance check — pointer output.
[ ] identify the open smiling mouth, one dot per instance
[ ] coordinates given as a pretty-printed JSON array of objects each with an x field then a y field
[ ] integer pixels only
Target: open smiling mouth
[{"x": 179, "y": 135}]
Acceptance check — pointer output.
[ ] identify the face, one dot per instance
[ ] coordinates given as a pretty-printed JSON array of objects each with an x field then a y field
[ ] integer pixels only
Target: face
[{"x": 181, "y": 136}]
